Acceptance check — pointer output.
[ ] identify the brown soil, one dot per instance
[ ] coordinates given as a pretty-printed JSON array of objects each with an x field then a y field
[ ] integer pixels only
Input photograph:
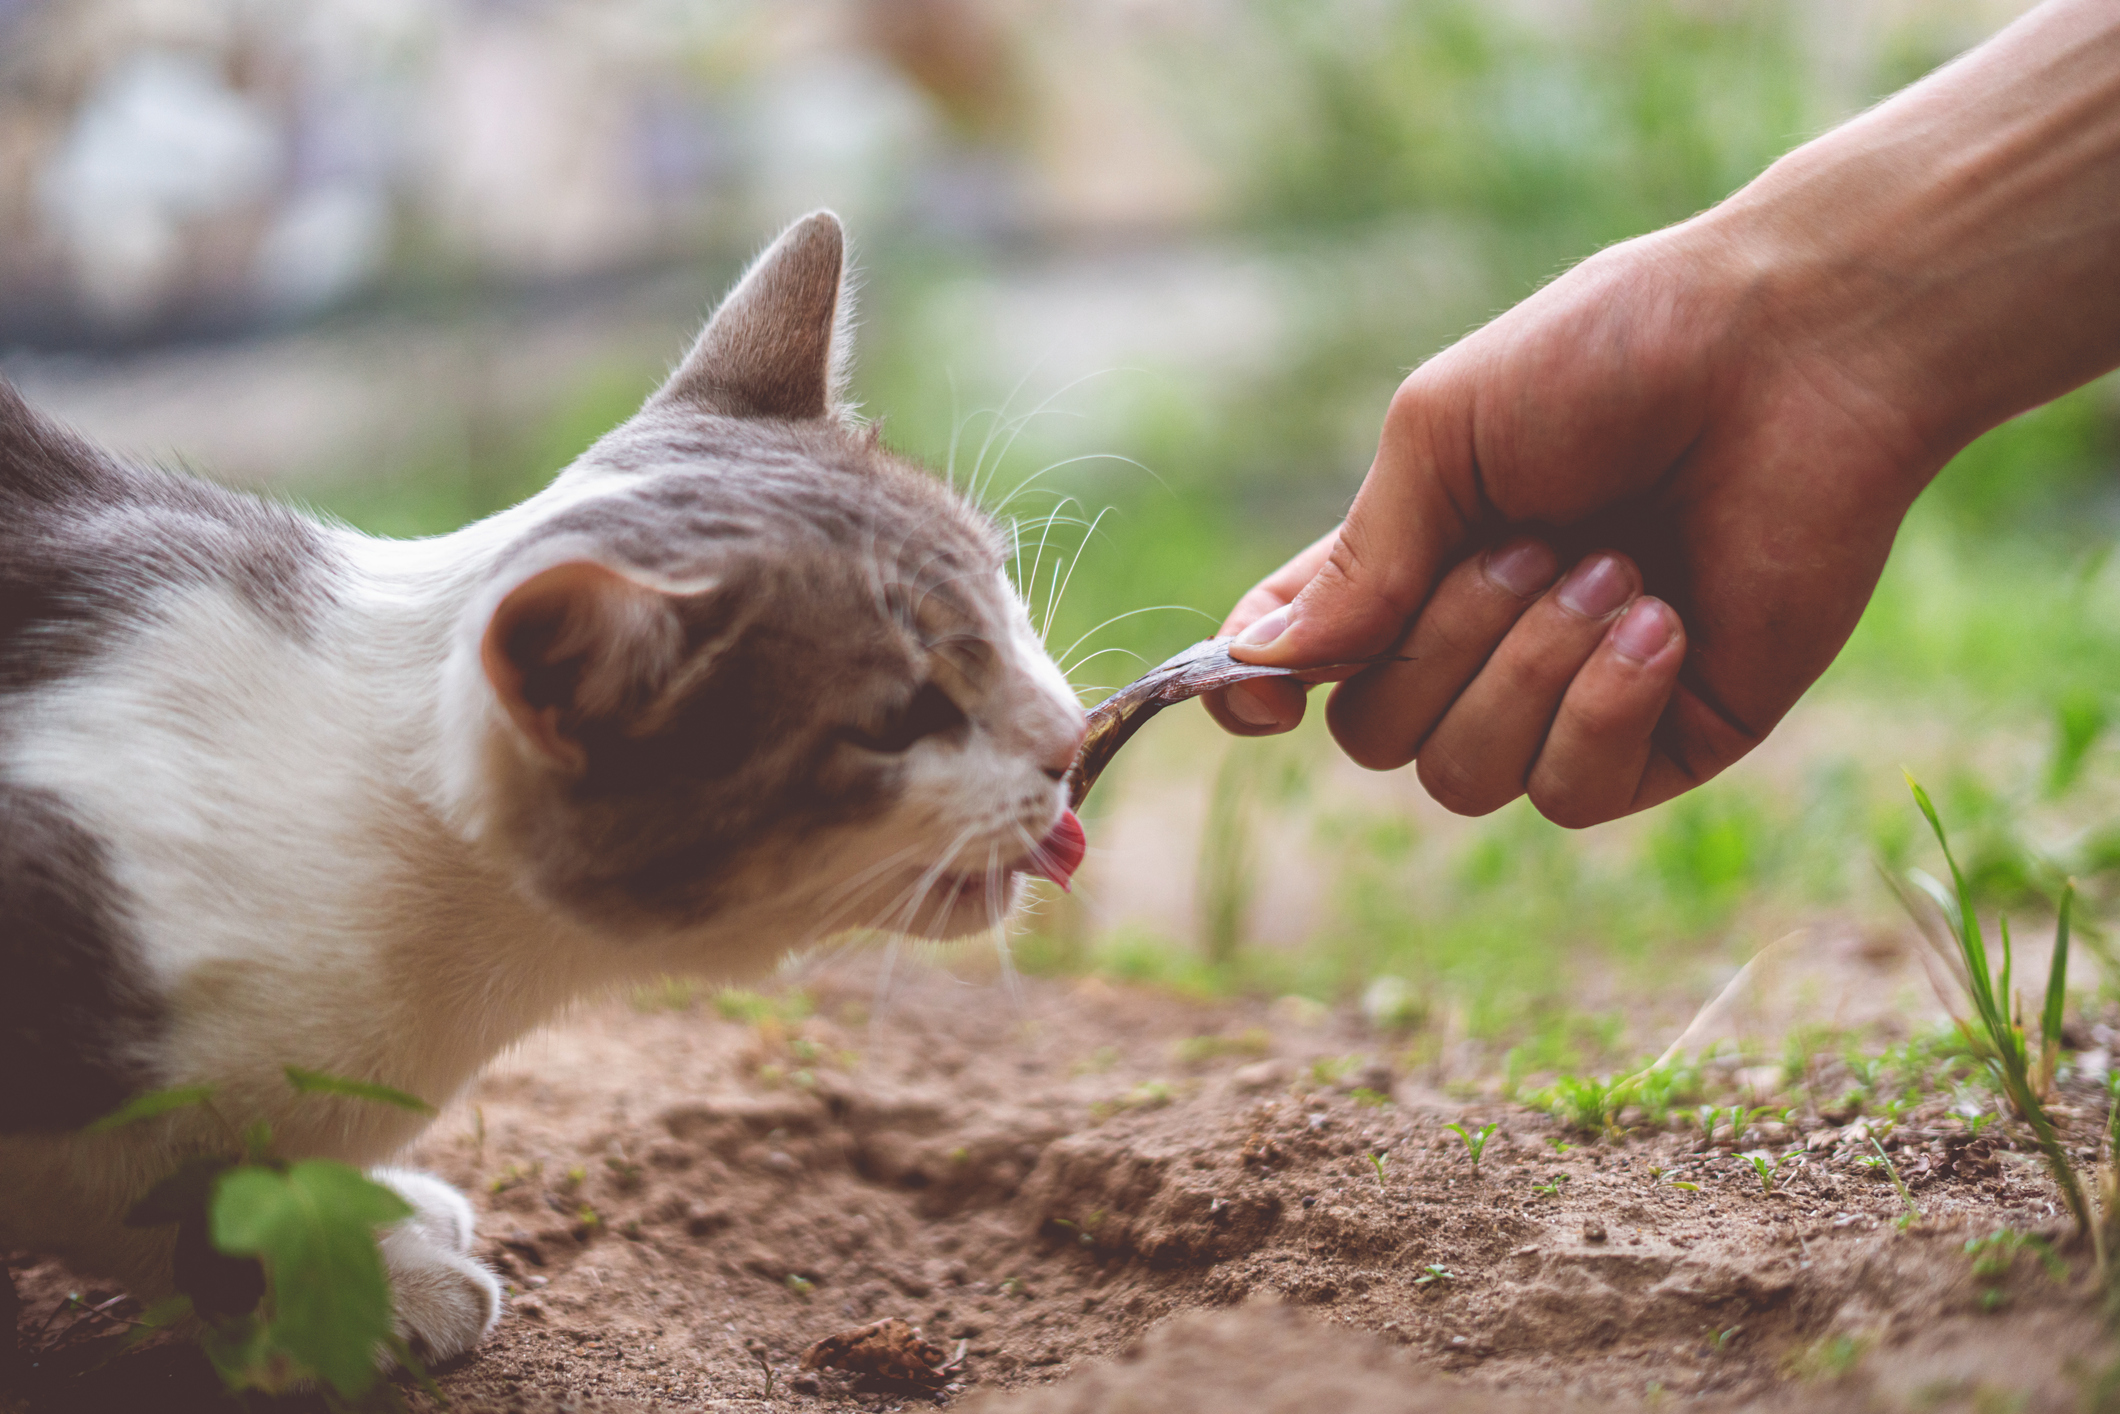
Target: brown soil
[{"x": 1047, "y": 1189}]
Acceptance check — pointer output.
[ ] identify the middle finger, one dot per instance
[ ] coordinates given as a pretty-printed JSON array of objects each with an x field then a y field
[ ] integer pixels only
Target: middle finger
[{"x": 1480, "y": 754}]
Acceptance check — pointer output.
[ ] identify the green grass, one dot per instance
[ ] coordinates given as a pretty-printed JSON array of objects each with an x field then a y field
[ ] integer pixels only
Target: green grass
[{"x": 1996, "y": 1028}]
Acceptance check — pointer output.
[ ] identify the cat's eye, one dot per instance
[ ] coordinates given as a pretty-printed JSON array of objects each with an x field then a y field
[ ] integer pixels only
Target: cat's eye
[{"x": 929, "y": 712}]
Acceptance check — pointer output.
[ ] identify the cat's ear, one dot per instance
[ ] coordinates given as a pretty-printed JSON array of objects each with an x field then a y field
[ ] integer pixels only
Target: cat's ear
[
  {"x": 579, "y": 643},
  {"x": 777, "y": 345}
]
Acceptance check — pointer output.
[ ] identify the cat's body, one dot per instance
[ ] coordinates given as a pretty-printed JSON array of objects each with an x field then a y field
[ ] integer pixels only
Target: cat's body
[{"x": 274, "y": 793}]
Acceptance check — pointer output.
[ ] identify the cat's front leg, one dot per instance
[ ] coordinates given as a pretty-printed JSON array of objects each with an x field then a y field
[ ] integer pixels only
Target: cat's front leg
[{"x": 446, "y": 1301}]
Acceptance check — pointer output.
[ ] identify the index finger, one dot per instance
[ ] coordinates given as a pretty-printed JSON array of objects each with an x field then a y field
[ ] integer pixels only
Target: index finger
[
  {"x": 1278, "y": 588},
  {"x": 1270, "y": 705}
]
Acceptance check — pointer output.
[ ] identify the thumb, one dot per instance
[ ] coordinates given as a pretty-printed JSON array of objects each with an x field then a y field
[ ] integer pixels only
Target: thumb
[{"x": 1401, "y": 534}]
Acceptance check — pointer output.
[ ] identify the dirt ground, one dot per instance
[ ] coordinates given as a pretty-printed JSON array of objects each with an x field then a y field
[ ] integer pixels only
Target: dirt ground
[{"x": 1084, "y": 1206}]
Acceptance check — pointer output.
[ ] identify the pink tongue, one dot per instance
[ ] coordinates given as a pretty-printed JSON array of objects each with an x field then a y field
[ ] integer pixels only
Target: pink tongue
[{"x": 1059, "y": 854}]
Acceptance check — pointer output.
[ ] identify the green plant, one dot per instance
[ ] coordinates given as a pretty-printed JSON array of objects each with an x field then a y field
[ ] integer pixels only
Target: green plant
[
  {"x": 1368, "y": 1098},
  {"x": 515, "y": 1176},
  {"x": 1199, "y": 1050},
  {"x": 666, "y": 994},
  {"x": 1331, "y": 1070},
  {"x": 276, "y": 1258},
  {"x": 736, "y": 1004},
  {"x": 1829, "y": 1357},
  {"x": 1994, "y": 1255},
  {"x": 1768, "y": 1169},
  {"x": 1591, "y": 1104},
  {"x": 1661, "y": 1088},
  {"x": 2000, "y": 1036},
  {"x": 1434, "y": 1272},
  {"x": 1883, "y": 1162},
  {"x": 1475, "y": 1141},
  {"x": 801, "y": 1285},
  {"x": 1376, "y": 1162},
  {"x": 1552, "y": 1186}
]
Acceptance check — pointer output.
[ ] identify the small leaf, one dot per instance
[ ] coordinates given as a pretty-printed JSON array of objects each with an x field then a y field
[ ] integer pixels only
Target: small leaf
[
  {"x": 154, "y": 1102},
  {"x": 314, "y": 1226},
  {"x": 316, "y": 1082}
]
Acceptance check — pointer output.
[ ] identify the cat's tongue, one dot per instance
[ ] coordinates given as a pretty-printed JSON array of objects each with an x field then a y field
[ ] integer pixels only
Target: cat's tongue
[{"x": 1059, "y": 854}]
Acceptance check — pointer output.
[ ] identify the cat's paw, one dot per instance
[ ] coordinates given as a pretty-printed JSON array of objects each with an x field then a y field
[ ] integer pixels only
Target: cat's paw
[
  {"x": 441, "y": 1212},
  {"x": 445, "y": 1301}
]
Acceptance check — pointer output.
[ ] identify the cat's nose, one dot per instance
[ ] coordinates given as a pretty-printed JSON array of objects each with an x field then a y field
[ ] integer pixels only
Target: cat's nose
[{"x": 1060, "y": 755}]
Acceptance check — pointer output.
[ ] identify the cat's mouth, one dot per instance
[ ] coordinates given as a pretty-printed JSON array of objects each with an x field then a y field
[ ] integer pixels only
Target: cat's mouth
[{"x": 1056, "y": 857}]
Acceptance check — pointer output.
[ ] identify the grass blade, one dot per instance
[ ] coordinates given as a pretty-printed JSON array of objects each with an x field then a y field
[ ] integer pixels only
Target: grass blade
[
  {"x": 2009, "y": 1062},
  {"x": 316, "y": 1082},
  {"x": 2056, "y": 994},
  {"x": 154, "y": 1102},
  {"x": 1981, "y": 982}
]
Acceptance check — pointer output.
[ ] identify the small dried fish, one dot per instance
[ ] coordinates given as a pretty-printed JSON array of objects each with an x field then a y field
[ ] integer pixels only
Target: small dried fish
[{"x": 1204, "y": 667}]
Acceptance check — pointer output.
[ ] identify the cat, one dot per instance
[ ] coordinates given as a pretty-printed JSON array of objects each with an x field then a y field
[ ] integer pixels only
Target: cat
[{"x": 273, "y": 792}]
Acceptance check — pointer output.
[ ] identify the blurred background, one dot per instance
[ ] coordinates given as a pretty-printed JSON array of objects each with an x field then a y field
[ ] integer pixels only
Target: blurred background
[{"x": 1145, "y": 272}]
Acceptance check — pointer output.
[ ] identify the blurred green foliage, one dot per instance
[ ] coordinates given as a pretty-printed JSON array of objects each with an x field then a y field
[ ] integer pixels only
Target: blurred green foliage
[
  {"x": 1569, "y": 131},
  {"x": 1370, "y": 126}
]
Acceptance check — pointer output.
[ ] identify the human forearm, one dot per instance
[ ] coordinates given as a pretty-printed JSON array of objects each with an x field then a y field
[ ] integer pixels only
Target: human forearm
[{"x": 1953, "y": 253}]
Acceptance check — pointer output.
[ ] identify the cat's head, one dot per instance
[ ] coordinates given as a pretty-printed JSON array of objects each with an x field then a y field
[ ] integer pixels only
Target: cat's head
[{"x": 741, "y": 659}]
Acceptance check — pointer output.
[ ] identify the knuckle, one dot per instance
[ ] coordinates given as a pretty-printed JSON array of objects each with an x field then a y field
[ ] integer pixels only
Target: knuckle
[
  {"x": 1526, "y": 672},
  {"x": 1570, "y": 811},
  {"x": 1443, "y": 776},
  {"x": 1408, "y": 402},
  {"x": 1375, "y": 755},
  {"x": 1603, "y": 720},
  {"x": 1379, "y": 576}
]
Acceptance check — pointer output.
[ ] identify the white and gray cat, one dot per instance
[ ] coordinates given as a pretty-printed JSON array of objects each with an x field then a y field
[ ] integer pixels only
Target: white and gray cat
[{"x": 276, "y": 793}]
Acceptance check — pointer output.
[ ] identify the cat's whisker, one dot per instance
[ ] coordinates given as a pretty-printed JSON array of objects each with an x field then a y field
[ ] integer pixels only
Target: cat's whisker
[
  {"x": 1026, "y": 589},
  {"x": 1023, "y": 486},
  {"x": 1045, "y": 523},
  {"x": 880, "y": 994},
  {"x": 1115, "y": 618},
  {"x": 999, "y": 415},
  {"x": 916, "y": 894},
  {"x": 841, "y": 895},
  {"x": 1018, "y": 424},
  {"x": 949, "y": 458},
  {"x": 1060, "y": 582},
  {"x": 1095, "y": 687}
]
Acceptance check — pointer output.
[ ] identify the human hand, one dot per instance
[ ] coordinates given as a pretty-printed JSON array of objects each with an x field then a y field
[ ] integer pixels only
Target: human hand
[
  {"x": 1719, "y": 428},
  {"x": 1709, "y": 463}
]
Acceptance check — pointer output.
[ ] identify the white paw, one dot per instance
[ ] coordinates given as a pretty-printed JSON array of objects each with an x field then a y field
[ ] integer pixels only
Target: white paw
[
  {"x": 446, "y": 1302},
  {"x": 440, "y": 1211}
]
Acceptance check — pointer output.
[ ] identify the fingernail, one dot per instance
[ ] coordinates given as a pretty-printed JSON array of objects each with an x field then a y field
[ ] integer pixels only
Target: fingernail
[
  {"x": 1596, "y": 587},
  {"x": 1245, "y": 706},
  {"x": 1265, "y": 630},
  {"x": 1643, "y": 632},
  {"x": 1523, "y": 567}
]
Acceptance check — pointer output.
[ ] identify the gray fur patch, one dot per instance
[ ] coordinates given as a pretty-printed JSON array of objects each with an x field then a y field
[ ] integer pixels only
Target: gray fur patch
[
  {"x": 88, "y": 545},
  {"x": 76, "y": 1020}
]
